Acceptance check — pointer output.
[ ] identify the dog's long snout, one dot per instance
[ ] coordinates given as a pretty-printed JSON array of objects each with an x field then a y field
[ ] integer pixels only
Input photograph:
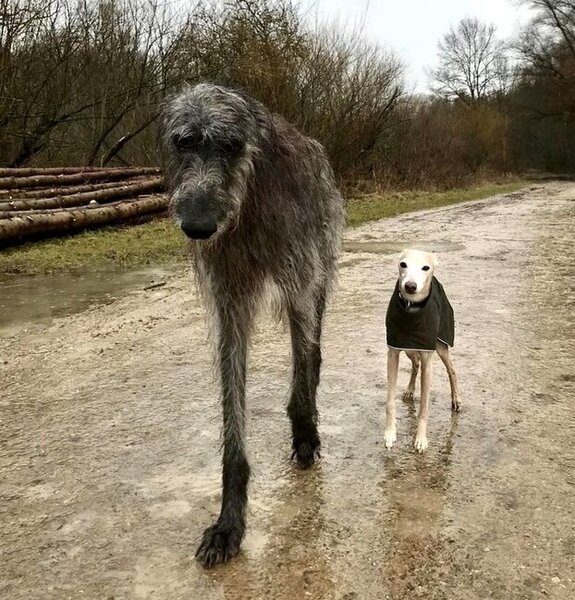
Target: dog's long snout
[
  {"x": 410, "y": 287},
  {"x": 196, "y": 215},
  {"x": 201, "y": 229}
]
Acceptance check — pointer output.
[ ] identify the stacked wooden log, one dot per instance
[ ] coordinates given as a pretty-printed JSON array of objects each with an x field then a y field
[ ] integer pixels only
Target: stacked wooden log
[{"x": 49, "y": 201}]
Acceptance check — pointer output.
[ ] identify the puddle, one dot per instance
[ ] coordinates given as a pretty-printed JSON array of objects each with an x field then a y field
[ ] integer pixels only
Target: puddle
[
  {"x": 30, "y": 301},
  {"x": 376, "y": 247}
]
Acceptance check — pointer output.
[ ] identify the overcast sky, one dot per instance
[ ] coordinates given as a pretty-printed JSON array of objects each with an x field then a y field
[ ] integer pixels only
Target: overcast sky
[{"x": 412, "y": 28}]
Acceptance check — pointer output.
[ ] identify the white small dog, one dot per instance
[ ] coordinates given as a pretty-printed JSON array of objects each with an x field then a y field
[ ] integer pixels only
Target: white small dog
[{"x": 419, "y": 321}]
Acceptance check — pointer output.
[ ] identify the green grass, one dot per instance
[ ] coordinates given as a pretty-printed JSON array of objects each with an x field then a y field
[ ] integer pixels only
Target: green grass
[
  {"x": 374, "y": 207},
  {"x": 154, "y": 243},
  {"x": 160, "y": 242}
]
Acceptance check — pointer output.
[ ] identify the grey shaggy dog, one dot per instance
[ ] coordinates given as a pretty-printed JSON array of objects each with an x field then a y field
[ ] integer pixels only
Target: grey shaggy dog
[{"x": 259, "y": 201}]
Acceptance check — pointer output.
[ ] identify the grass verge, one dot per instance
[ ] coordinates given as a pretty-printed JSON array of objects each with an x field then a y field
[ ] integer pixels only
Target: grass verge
[
  {"x": 374, "y": 207},
  {"x": 159, "y": 242},
  {"x": 155, "y": 242}
]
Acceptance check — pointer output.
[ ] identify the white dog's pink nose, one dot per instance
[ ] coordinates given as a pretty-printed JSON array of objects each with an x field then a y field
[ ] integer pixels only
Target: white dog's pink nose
[{"x": 410, "y": 287}]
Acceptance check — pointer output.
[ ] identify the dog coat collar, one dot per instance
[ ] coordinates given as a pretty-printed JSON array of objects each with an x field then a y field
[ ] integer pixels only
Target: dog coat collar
[
  {"x": 420, "y": 329},
  {"x": 410, "y": 306}
]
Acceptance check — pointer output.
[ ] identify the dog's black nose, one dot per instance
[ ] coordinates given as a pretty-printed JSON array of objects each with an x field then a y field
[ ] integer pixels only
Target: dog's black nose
[
  {"x": 410, "y": 287},
  {"x": 199, "y": 230}
]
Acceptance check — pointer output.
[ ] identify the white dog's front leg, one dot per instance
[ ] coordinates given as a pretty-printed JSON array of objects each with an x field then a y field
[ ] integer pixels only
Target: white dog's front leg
[
  {"x": 389, "y": 435},
  {"x": 421, "y": 436},
  {"x": 415, "y": 360}
]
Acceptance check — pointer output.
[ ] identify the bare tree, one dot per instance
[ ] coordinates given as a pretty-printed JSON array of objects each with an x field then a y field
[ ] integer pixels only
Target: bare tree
[
  {"x": 348, "y": 92},
  {"x": 555, "y": 22},
  {"x": 547, "y": 50},
  {"x": 80, "y": 79},
  {"x": 330, "y": 82},
  {"x": 543, "y": 123},
  {"x": 472, "y": 62}
]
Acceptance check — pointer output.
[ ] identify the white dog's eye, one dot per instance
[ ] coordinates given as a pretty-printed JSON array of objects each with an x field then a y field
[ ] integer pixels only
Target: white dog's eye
[
  {"x": 425, "y": 268},
  {"x": 403, "y": 265}
]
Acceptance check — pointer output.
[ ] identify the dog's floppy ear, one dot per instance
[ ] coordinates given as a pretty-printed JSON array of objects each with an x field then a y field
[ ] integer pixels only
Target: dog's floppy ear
[{"x": 435, "y": 259}]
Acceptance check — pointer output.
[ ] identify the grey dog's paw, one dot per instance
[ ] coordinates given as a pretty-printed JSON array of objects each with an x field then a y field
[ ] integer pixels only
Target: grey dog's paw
[
  {"x": 305, "y": 452},
  {"x": 219, "y": 544}
]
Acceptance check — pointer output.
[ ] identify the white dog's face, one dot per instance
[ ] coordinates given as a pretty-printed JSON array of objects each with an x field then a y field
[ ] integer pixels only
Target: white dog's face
[{"x": 415, "y": 272}]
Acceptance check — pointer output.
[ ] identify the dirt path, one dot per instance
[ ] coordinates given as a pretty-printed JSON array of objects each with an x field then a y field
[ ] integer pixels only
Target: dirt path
[{"x": 109, "y": 435}]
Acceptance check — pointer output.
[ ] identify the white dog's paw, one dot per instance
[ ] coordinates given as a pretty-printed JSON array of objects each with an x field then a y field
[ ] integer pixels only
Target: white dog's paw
[
  {"x": 420, "y": 443},
  {"x": 389, "y": 437}
]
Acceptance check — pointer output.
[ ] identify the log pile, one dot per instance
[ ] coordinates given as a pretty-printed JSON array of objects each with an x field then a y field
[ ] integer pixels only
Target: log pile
[{"x": 41, "y": 202}]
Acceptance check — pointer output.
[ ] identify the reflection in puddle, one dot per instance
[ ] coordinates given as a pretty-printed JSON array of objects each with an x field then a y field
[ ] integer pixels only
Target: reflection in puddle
[
  {"x": 26, "y": 301},
  {"x": 416, "y": 487}
]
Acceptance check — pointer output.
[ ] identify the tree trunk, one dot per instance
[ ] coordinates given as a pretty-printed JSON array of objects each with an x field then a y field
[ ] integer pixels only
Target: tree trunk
[
  {"x": 7, "y": 183},
  {"x": 30, "y": 171},
  {"x": 81, "y": 199},
  {"x": 79, "y": 218},
  {"x": 115, "y": 149},
  {"x": 51, "y": 192}
]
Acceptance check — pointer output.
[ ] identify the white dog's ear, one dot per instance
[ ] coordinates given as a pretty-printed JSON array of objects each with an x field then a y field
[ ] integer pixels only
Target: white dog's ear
[{"x": 435, "y": 259}]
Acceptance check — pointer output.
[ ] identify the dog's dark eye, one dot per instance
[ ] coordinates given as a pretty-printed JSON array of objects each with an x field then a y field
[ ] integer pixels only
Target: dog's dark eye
[
  {"x": 231, "y": 146},
  {"x": 187, "y": 142},
  {"x": 403, "y": 265},
  {"x": 426, "y": 268}
]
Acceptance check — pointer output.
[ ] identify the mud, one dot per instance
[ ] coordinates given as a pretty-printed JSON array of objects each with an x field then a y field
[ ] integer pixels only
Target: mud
[
  {"x": 28, "y": 302},
  {"x": 109, "y": 435}
]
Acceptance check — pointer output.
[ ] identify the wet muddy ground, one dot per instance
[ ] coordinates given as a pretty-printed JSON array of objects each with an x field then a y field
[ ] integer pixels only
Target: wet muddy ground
[
  {"x": 109, "y": 435},
  {"x": 31, "y": 302}
]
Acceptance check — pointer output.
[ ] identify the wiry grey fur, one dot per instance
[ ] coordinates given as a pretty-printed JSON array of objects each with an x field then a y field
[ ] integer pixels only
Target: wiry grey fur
[{"x": 263, "y": 200}]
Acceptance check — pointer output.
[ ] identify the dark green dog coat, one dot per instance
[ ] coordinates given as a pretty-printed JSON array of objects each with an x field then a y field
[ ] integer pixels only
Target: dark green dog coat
[{"x": 420, "y": 326}]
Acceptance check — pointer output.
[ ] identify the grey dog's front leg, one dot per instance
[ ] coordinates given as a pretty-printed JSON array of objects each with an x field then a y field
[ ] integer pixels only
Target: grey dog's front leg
[
  {"x": 305, "y": 327},
  {"x": 222, "y": 540}
]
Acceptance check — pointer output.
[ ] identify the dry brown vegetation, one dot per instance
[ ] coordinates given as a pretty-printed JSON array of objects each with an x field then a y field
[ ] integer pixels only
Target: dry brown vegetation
[{"x": 81, "y": 82}]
